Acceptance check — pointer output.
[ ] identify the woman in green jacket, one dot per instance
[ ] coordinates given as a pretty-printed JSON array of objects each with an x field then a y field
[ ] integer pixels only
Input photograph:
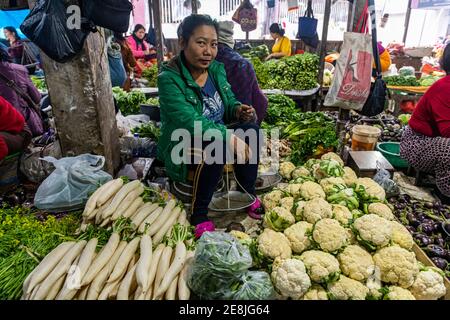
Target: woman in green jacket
[{"x": 196, "y": 103}]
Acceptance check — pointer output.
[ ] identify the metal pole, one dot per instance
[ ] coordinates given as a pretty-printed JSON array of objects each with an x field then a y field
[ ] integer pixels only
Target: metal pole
[
  {"x": 351, "y": 15},
  {"x": 323, "y": 44},
  {"x": 155, "y": 4},
  {"x": 194, "y": 6},
  {"x": 408, "y": 16}
]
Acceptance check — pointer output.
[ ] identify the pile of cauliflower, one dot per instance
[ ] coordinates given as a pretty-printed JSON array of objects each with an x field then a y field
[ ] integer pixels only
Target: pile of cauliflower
[{"x": 316, "y": 250}]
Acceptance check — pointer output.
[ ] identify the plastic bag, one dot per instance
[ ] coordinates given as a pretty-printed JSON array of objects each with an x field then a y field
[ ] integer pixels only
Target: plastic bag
[
  {"x": 255, "y": 285},
  {"x": 72, "y": 182},
  {"x": 383, "y": 178}
]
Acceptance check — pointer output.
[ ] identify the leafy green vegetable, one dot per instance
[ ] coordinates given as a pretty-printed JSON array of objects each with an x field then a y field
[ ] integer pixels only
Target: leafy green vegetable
[
  {"x": 129, "y": 102},
  {"x": 151, "y": 74},
  {"x": 260, "y": 52},
  {"x": 153, "y": 101},
  {"x": 402, "y": 81},
  {"x": 428, "y": 81},
  {"x": 344, "y": 196},
  {"x": 39, "y": 83},
  {"x": 280, "y": 109},
  {"x": 148, "y": 130}
]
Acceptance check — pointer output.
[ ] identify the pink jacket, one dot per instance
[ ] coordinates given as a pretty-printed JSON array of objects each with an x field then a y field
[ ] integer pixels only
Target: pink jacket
[{"x": 138, "y": 53}]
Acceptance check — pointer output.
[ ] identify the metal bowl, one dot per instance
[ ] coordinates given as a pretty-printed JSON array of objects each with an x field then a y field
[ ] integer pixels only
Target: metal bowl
[
  {"x": 267, "y": 182},
  {"x": 237, "y": 201}
]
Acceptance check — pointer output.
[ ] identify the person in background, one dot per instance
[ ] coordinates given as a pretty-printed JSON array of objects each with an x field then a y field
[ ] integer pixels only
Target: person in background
[
  {"x": 425, "y": 143},
  {"x": 129, "y": 61},
  {"x": 385, "y": 58},
  {"x": 15, "y": 44},
  {"x": 14, "y": 134},
  {"x": 193, "y": 94},
  {"x": 282, "y": 47},
  {"x": 141, "y": 49},
  {"x": 240, "y": 72}
]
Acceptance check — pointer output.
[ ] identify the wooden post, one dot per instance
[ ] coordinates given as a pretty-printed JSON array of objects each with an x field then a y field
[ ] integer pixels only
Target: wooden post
[
  {"x": 155, "y": 5},
  {"x": 408, "y": 17},
  {"x": 194, "y": 6}
]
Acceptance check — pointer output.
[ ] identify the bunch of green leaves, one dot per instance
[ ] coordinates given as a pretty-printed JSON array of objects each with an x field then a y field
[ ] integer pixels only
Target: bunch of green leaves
[
  {"x": 129, "y": 102},
  {"x": 39, "y": 83},
  {"x": 260, "y": 52},
  {"x": 302, "y": 122},
  {"x": 343, "y": 196},
  {"x": 153, "y": 101},
  {"x": 151, "y": 74},
  {"x": 262, "y": 72},
  {"x": 402, "y": 81},
  {"x": 148, "y": 130},
  {"x": 280, "y": 109}
]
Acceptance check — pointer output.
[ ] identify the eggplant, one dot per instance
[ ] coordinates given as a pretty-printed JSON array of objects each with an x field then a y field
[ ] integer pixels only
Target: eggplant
[
  {"x": 439, "y": 241},
  {"x": 411, "y": 229},
  {"x": 436, "y": 251},
  {"x": 421, "y": 239},
  {"x": 426, "y": 228},
  {"x": 412, "y": 220},
  {"x": 440, "y": 263}
]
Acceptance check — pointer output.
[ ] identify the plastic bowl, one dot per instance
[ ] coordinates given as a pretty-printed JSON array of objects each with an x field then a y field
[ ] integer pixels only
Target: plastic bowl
[{"x": 391, "y": 151}]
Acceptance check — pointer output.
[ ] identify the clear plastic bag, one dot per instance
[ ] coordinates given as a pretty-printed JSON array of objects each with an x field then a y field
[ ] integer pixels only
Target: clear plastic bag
[
  {"x": 72, "y": 182},
  {"x": 255, "y": 285},
  {"x": 383, "y": 178}
]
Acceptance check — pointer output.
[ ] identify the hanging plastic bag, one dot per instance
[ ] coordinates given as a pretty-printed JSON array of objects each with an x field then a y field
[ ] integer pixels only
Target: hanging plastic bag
[
  {"x": 72, "y": 182},
  {"x": 248, "y": 17},
  {"x": 353, "y": 73},
  {"x": 383, "y": 178},
  {"x": 110, "y": 14},
  {"x": 47, "y": 26}
]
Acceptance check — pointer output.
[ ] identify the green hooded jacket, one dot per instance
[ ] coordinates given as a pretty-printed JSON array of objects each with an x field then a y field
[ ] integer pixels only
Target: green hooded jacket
[{"x": 181, "y": 104}]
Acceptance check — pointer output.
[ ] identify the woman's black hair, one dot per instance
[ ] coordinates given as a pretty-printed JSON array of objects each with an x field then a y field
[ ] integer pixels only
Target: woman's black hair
[
  {"x": 190, "y": 23},
  {"x": 138, "y": 27},
  {"x": 12, "y": 30},
  {"x": 445, "y": 60},
  {"x": 277, "y": 28}
]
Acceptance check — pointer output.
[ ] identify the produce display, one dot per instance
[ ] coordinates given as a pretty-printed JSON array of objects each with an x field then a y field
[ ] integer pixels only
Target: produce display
[
  {"x": 391, "y": 127},
  {"x": 148, "y": 130},
  {"x": 129, "y": 102},
  {"x": 151, "y": 74},
  {"x": 402, "y": 81},
  {"x": 260, "y": 52},
  {"x": 152, "y": 101},
  {"x": 39, "y": 83}
]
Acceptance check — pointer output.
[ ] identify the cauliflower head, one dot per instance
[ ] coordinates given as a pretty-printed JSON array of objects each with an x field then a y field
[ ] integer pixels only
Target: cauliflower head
[
  {"x": 342, "y": 214},
  {"x": 300, "y": 172},
  {"x": 373, "y": 189},
  {"x": 286, "y": 169},
  {"x": 297, "y": 210},
  {"x": 316, "y": 210},
  {"x": 327, "y": 184},
  {"x": 287, "y": 203},
  {"x": 348, "y": 289},
  {"x": 290, "y": 278},
  {"x": 332, "y": 156},
  {"x": 350, "y": 177},
  {"x": 239, "y": 235},
  {"x": 397, "y": 266},
  {"x": 272, "y": 199},
  {"x": 316, "y": 292},
  {"x": 322, "y": 267},
  {"x": 356, "y": 263},
  {"x": 330, "y": 235},
  {"x": 373, "y": 231},
  {"x": 278, "y": 219},
  {"x": 429, "y": 285},
  {"x": 294, "y": 189},
  {"x": 298, "y": 236},
  {"x": 382, "y": 210},
  {"x": 398, "y": 293},
  {"x": 401, "y": 236},
  {"x": 274, "y": 244},
  {"x": 311, "y": 190},
  {"x": 351, "y": 236}
]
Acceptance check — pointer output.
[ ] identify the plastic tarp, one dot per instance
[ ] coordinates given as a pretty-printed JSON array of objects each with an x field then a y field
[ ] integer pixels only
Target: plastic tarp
[{"x": 12, "y": 18}]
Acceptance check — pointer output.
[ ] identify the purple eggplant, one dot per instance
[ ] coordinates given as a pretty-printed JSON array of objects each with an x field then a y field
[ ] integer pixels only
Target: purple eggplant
[
  {"x": 422, "y": 240},
  {"x": 427, "y": 228},
  {"x": 411, "y": 229},
  {"x": 436, "y": 251},
  {"x": 439, "y": 241},
  {"x": 440, "y": 263},
  {"x": 412, "y": 220}
]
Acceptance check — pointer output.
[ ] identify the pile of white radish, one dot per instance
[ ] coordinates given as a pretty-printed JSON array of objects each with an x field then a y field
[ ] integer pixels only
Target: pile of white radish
[{"x": 120, "y": 270}]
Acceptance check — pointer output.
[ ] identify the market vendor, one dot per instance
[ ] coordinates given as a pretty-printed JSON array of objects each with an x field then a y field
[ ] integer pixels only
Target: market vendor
[
  {"x": 385, "y": 57},
  {"x": 282, "y": 47},
  {"x": 15, "y": 44},
  {"x": 14, "y": 134},
  {"x": 426, "y": 141},
  {"x": 195, "y": 97},
  {"x": 240, "y": 72},
  {"x": 141, "y": 49}
]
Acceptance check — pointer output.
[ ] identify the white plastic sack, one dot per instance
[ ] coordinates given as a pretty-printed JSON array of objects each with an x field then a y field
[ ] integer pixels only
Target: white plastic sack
[
  {"x": 353, "y": 73},
  {"x": 72, "y": 182}
]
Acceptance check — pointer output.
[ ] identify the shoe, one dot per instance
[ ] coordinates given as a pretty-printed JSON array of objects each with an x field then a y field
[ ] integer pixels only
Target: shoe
[
  {"x": 256, "y": 211},
  {"x": 203, "y": 227}
]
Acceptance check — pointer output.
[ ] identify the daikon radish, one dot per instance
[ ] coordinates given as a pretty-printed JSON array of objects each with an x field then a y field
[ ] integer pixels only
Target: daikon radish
[
  {"x": 109, "y": 291},
  {"x": 127, "y": 202},
  {"x": 92, "y": 215},
  {"x": 99, "y": 281},
  {"x": 143, "y": 213},
  {"x": 56, "y": 288},
  {"x": 122, "y": 264},
  {"x": 150, "y": 219},
  {"x": 156, "y": 257},
  {"x": 172, "y": 291},
  {"x": 163, "y": 266},
  {"x": 102, "y": 258},
  {"x": 137, "y": 203},
  {"x": 158, "y": 237},
  {"x": 83, "y": 293},
  {"x": 105, "y": 222},
  {"x": 119, "y": 197},
  {"x": 162, "y": 218},
  {"x": 144, "y": 263},
  {"x": 138, "y": 294},
  {"x": 91, "y": 204},
  {"x": 73, "y": 281},
  {"x": 174, "y": 269},
  {"x": 48, "y": 264},
  {"x": 26, "y": 284},
  {"x": 99, "y": 215},
  {"x": 184, "y": 292},
  {"x": 125, "y": 286},
  {"x": 149, "y": 294},
  {"x": 182, "y": 218},
  {"x": 109, "y": 193},
  {"x": 60, "y": 269},
  {"x": 33, "y": 293}
]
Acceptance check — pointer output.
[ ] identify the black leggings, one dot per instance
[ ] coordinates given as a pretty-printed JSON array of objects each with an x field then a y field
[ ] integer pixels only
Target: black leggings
[{"x": 207, "y": 176}]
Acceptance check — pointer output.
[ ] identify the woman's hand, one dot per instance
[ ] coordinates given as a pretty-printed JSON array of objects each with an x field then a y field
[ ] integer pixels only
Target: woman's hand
[
  {"x": 245, "y": 113},
  {"x": 241, "y": 149},
  {"x": 270, "y": 56}
]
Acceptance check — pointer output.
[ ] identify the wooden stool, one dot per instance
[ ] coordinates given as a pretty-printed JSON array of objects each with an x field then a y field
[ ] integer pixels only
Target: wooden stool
[{"x": 366, "y": 163}]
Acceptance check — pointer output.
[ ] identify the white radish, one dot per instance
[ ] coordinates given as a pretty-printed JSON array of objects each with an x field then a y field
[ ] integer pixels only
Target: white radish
[
  {"x": 149, "y": 294},
  {"x": 184, "y": 292},
  {"x": 126, "y": 284},
  {"x": 99, "y": 215},
  {"x": 163, "y": 266},
  {"x": 91, "y": 204},
  {"x": 174, "y": 269},
  {"x": 92, "y": 215},
  {"x": 143, "y": 213},
  {"x": 137, "y": 203},
  {"x": 150, "y": 219},
  {"x": 127, "y": 202},
  {"x": 26, "y": 284},
  {"x": 154, "y": 265},
  {"x": 102, "y": 258},
  {"x": 119, "y": 197},
  {"x": 33, "y": 293},
  {"x": 108, "y": 290},
  {"x": 182, "y": 218},
  {"x": 99, "y": 281},
  {"x": 171, "y": 293},
  {"x": 125, "y": 258},
  {"x": 162, "y": 218},
  {"x": 73, "y": 281},
  {"x": 138, "y": 294},
  {"x": 60, "y": 269},
  {"x": 48, "y": 264},
  {"x": 83, "y": 293},
  {"x": 144, "y": 263},
  {"x": 55, "y": 289},
  {"x": 108, "y": 193},
  {"x": 105, "y": 222},
  {"x": 159, "y": 236}
]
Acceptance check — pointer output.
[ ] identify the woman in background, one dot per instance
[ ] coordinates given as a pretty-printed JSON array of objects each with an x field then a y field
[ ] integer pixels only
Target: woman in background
[
  {"x": 282, "y": 47},
  {"x": 15, "y": 44},
  {"x": 129, "y": 61}
]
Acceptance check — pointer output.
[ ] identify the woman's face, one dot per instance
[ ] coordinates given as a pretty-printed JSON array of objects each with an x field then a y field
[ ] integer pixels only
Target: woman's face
[
  {"x": 8, "y": 34},
  {"x": 201, "y": 48},
  {"x": 140, "y": 34},
  {"x": 274, "y": 35}
]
